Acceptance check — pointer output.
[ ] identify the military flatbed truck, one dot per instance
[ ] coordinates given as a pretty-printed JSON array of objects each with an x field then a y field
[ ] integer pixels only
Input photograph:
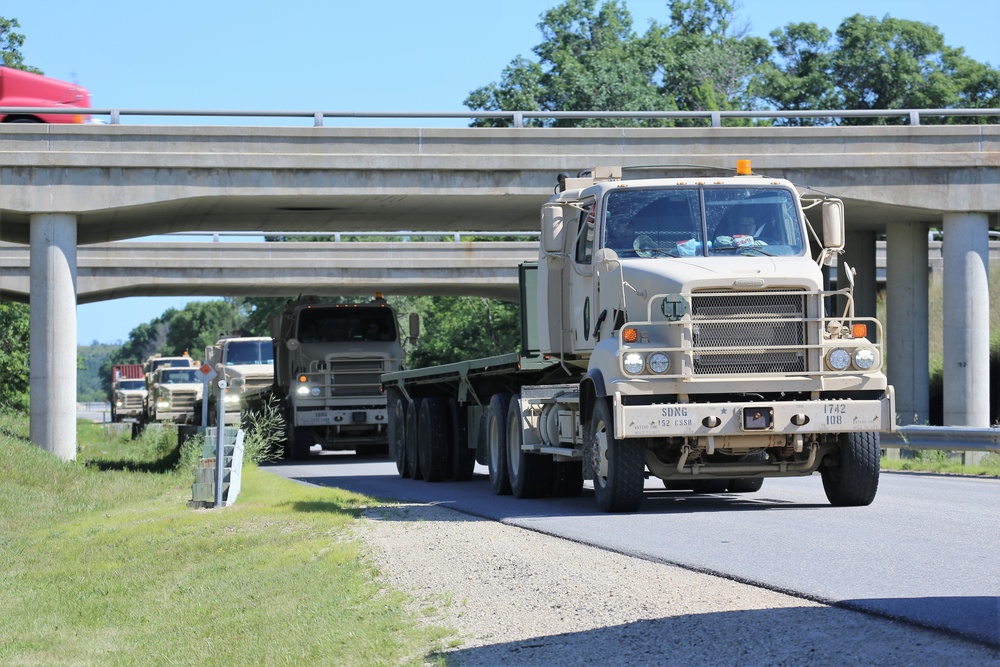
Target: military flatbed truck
[{"x": 674, "y": 328}]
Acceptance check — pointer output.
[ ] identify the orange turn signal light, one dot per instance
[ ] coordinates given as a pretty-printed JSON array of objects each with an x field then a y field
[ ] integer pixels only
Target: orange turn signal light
[
  {"x": 859, "y": 330},
  {"x": 302, "y": 378},
  {"x": 630, "y": 335}
]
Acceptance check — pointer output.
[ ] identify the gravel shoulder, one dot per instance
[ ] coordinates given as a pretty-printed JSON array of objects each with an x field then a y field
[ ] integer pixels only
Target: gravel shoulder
[{"x": 517, "y": 597}]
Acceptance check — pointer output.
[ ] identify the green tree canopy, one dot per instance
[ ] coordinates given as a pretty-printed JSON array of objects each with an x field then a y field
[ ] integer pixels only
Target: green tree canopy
[
  {"x": 11, "y": 42},
  {"x": 14, "y": 355}
]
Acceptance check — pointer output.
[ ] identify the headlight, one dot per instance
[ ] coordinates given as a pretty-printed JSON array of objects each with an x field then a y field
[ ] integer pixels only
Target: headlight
[
  {"x": 658, "y": 362},
  {"x": 315, "y": 391},
  {"x": 633, "y": 363},
  {"x": 838, "y": 359},
  {"x": 232, "y": 398},
  {"x": 303, "y": 390},
  {"x": 162, "y": 403},
  {"x": 864, "y": 358}
]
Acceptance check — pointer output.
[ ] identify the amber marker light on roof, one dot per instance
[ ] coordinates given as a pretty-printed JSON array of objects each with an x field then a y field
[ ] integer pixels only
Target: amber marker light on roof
[
  {"x": 859, "y": 330},
  {"x": 743, "y": 168}
]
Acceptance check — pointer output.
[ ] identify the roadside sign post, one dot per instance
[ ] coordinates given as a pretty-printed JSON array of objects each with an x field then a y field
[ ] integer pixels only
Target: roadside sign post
[{"x": 220, "y": 449}]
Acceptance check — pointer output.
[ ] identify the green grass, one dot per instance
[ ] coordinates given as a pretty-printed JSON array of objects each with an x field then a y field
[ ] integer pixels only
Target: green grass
[
  {"x": 944, "y": 463},
  {"x": 102, "y": 562}
]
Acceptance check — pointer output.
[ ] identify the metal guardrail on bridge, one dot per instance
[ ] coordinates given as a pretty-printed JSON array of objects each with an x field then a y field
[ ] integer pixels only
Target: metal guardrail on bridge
[{"x": 517, "y": 118}]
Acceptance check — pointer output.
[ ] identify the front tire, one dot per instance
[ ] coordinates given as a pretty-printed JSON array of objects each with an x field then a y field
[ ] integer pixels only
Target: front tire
[
  {"x": 619, "y": 468},
  {"x": 496, "y": 441},
  {"x": 851, "y": 480}
]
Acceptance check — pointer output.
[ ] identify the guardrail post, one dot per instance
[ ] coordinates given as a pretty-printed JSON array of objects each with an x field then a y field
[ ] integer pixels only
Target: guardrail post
[
  {"x": 518, "y": 119},
  {"x": 716, "y": 119},
  {"x": 318, "y": 119},
  {"x": 914, "y": 117}
]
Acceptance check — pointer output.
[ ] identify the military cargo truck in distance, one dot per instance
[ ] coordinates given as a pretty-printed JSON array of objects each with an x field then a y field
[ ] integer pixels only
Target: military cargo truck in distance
[
  {"x": 155, "y": 361},
  {"x": 173, "y": 394},
  {"x": 328, "y": 364},
  {"x": 128, "y": 392},
  {"x": 673, "y": 328},
  {"x": 246, "y": 364}
]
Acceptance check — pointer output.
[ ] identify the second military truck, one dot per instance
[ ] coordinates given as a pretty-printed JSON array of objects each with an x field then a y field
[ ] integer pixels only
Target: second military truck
[
  {"x": 328, "y": 363},
  {"x": 674, "y": 328}
]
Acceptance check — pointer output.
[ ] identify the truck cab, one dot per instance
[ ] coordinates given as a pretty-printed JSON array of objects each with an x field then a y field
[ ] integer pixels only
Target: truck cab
[
  {"x": 246, "y": 363},
  {"x": 173, "y": 394}
]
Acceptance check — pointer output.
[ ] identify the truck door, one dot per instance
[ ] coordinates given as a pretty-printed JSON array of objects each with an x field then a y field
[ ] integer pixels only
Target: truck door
[{"x": 580, "y": 278}]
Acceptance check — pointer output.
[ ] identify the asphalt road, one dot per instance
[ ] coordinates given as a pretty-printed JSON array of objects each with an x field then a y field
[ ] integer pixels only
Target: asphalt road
[{"x": 925, "y": 552}]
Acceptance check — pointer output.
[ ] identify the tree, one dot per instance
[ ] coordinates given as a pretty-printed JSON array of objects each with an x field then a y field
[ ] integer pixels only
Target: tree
[
  {"x": 799, "y": 76},
  {"x": 458, "y": 328},
  {"x": 10, "y": 46},
  {"x": 15, "y": 359},
  {"x": 199, "y": 324}
]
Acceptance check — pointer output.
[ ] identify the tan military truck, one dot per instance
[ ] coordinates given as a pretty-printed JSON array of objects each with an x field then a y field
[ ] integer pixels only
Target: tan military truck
[
  {"x": 246, "y": 363},
  {"x": 128, "y": 399},
  {"x": 156, "y": 361},
  {"x": 672, "y": 328},
  {"x": 173, "y": 393}
]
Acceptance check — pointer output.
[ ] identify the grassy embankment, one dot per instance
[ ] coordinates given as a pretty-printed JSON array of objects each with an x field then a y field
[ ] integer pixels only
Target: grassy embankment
[{"x": 102, "y": 562}]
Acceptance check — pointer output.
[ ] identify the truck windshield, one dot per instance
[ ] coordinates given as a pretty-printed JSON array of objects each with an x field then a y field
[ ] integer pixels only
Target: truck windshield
[
  {"x": 179, "y": 376},
  {"x": 343, "y": 325},
  {"x": 131, "y": 385},
  {"x": 171, "y": 363},
  {"x": 668, "y": 222},
  {"x": 249, "y": 352}
]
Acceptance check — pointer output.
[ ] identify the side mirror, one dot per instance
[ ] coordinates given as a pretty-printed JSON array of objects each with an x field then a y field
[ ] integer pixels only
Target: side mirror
[
  {"x": 606, "y": 260},
  {"x": 292, "y": 344},
  {"x": 414, "y": 328},
  {"x": 552, "y": 229},
  {"x": 833, "y": 224}
]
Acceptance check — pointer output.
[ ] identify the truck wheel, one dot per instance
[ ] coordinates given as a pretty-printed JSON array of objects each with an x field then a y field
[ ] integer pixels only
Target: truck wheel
[
  {"x": 619, "y": 468},
  {"x": 463, "y": 457},
  {"x": 433, "y": 439},
  {"x": 496, "y": 440},
  {"x": 529, "y": 473},
  {"x": 748, "y": 484},
  {"x": 709, "y": 485},
  {"x": 412, "y": 457},
  {"x": 851, "y": 480},
  {"x": 567, "y": 479},
  {"x": 300, "y": 441},
  {"x": 397, "y": 431}
]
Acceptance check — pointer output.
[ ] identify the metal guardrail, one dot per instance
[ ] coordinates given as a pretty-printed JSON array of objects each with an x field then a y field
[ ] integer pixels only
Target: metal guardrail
[
  {"x": 946, "y": 438},
  {"x": 337, "y": 236},
  {"x": 516, "y": 118}
]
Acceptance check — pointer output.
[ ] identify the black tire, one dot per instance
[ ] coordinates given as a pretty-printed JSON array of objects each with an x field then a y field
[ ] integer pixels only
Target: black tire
[
  {"x": 463, "y": 457},
  {"x": 412, "y": 435},
  {"x": 482, "y": 446},
  {"x": 566, "y": 479},
  {"x": 24, "y": 120},
  {"x": 851, "y": 480},
  {"x": 709, "y": 485},
  {"x": 748, "y": 484},
  {"x": 396, "y": 407},
  {"x": 620, "y": 488},
  {"x": 433, "y": 439},
  {"x": 300, "y": 441},
  {"x": 529, "y": 473},
  {"x": 496, "y": 441}
]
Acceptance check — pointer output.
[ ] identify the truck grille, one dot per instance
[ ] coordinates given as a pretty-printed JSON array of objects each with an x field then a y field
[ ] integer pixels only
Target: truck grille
[
  {"x": 355, "y": 377},
  {"x": 751, "y": 325},
  {"x": 182, "y": 401},
  {"x": 133, "y": 402}
]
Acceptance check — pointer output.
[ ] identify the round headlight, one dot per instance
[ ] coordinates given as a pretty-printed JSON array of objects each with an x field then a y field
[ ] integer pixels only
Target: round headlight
[
  {"x": 838, "y": 359},
  {"x": 633, "y": 362},
  {"x": 658, "y": 362},
  {"x": 314, "y": 391},
  {"x": 864, "y": 358}
]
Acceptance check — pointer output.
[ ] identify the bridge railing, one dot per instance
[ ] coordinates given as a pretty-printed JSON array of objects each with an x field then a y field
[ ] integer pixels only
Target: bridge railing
[{"x": 516, "y": 118}]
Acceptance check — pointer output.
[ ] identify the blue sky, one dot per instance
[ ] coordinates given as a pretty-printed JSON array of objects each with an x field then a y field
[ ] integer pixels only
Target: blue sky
[{"x": 380, "y": 55}]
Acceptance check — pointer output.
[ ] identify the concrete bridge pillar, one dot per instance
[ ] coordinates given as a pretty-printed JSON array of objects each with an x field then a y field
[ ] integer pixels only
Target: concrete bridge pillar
[
  {"x": 52, "y": 388},
  {"x": 906, "y": 320},
  {"x": 965, "y": 251}
]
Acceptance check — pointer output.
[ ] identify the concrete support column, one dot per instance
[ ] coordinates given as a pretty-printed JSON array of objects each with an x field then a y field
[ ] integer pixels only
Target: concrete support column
[
  {"x": 906, "y": 320},
  {"x": 859, "y": 254},
  {"x": 53, "y": 333},
  {"x": 966, "y": 320}
]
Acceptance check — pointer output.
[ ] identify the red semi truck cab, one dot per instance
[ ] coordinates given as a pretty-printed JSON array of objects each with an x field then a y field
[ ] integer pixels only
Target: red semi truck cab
[{"x": 24, "y": 89}]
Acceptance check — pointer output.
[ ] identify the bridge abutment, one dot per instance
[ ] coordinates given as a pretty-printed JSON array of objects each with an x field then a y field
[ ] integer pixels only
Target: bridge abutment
[{"x": 53, "y": 333}]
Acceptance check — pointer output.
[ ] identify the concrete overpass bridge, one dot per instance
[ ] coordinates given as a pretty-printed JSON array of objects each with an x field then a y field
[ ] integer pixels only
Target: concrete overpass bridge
[{"x": 65, "y": 187}]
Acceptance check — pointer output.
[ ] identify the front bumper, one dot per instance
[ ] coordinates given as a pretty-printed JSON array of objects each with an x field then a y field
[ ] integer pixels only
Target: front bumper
[{"x": 742, "y": 418}]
